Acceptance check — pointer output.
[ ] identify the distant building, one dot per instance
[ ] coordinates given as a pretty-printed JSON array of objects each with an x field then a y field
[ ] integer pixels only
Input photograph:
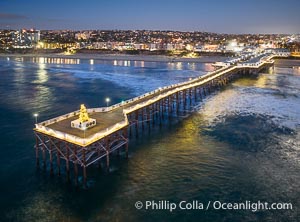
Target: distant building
[
  {"x": 82, "y": 35},
  {"x": 153, "y": 47},
  {"x": 33, "y": 35},
  {"x": 198, "y": 48},
  {"x": 170, "y": 46},
  {"x": 141, "y": 46},
  {"x": 25, "y": 38},
  {"x": 210, "y": 47},
  {"x": 234, "y": 46}
]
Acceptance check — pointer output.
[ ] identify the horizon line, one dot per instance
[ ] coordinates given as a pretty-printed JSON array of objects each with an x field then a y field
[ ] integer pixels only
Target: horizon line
[{"x": 153, "y": 30}]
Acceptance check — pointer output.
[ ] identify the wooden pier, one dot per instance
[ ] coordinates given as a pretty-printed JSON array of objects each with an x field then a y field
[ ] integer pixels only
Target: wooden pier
[{"x": 58, "y": 144}]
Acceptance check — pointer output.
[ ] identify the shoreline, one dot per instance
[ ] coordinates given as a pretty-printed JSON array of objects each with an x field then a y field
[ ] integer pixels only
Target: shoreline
[
  {"x": 126, "y": 57},
  {"x": 111, "y": 57}
]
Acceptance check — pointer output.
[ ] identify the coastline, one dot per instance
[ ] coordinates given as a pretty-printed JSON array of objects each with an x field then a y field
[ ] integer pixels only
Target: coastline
[{"x": 147, "y": 58}]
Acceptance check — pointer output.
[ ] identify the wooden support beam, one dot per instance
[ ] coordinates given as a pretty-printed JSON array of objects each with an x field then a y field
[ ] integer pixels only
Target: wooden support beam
[
  {"x": 162, "y": 108},
  {"x": 99, "y": 154},
  {"x": 177, "y": 102},
  {"x": 67, "y": 161},
  {"x": 137, "y": 124},
  {"x": 37, "y": 158},
  {"x": 143, "y": 127},
  {"x": 107, "y": 154},
  {"x": 44, "y": 153},
  {"x": 190, "y": 96},
  {"x": 58, "y": 158},
  {"x": 153, "y": 114},
  {"x": 84, "y": 168},
  {"x": 126, "y": 145},
  {"x": 75, "y": 166},
  {"x": 130, "y": 129},
  {"x": 51, "y": 157},
  {"x": 184, "y": 99}
]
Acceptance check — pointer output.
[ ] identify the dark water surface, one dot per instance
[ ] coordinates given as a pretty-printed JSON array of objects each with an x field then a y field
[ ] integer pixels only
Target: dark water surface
[{"x": 241, "y": 145}]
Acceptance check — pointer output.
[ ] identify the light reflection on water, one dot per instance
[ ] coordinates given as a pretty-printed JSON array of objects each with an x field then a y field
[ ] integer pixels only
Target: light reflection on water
[
  {"x": 42, "y": 74},
  {"x": 48, "y": 60},
  {"x": 243, "y": 144}
]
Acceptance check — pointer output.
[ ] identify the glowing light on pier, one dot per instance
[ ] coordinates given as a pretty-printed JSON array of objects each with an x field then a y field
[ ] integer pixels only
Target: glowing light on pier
[
  {"x": 107, "y": 100},
  {"x": 36, "y": 116}
]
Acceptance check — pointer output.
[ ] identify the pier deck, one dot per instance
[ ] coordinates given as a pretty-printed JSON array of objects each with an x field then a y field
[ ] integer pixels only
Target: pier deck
[{"x": 104, "y": 121}]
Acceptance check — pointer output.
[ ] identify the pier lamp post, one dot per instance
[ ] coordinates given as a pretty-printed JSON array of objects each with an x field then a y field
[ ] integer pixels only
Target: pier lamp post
[
  {"x": 36, "y": 116},
  {"x": 107, "y": 101}
]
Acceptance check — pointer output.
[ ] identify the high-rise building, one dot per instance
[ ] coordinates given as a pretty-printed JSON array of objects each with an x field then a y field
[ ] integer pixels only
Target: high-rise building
[{"x": 25, "y": 38}]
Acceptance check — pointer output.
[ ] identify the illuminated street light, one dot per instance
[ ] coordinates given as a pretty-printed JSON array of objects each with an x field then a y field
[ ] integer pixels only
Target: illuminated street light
[
  {"x": 36, "y": 116},
  {"x": 107, "y": 101}
]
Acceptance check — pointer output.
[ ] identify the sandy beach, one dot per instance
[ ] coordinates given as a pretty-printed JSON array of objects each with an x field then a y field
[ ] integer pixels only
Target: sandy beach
[{"x": 148, "y": 58}]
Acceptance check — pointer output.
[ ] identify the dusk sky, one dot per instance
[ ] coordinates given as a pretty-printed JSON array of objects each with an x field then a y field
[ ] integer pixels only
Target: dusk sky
[{"x": 231, "y": 16}]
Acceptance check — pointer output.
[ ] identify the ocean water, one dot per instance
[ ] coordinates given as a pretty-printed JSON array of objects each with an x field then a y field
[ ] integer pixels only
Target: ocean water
[{"x": 242, "y": 144}]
